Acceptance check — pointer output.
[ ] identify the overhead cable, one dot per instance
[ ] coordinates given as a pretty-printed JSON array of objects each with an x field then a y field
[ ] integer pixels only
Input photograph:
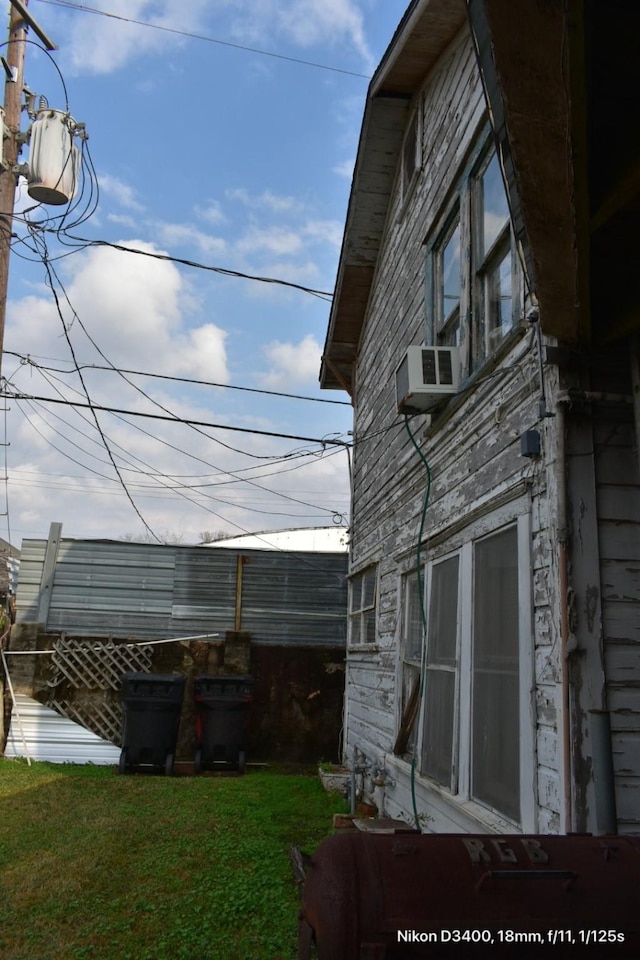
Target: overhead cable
[
  {"x": 82, "y": 8},
  {"x": 15, "y": 394},
  {"x": 26, "y": 358}
]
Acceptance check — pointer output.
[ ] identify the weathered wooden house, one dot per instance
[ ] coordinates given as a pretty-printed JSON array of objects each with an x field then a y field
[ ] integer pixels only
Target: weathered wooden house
[{"x": 485, "y": 323}]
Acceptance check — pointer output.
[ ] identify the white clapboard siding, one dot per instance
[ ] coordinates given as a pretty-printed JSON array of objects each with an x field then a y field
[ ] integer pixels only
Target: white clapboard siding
[{"x": 48, "y": 736}]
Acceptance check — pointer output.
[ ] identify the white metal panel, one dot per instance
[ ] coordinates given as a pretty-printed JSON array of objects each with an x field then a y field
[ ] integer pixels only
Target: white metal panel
[
  {"x": 307, "y": 539},
  {"x": 40, "y": 733}
]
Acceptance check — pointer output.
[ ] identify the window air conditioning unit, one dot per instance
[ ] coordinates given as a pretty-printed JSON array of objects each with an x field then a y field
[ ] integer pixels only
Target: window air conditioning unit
[{"x": 425, "y": 377}]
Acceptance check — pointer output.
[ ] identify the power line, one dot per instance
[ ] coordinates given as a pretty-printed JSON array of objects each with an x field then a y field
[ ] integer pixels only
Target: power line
[
  {"x": 273, "y": 460},
  {"x": 170, "y": 482},
  {"x": 82, "y": 8},
  {"x": 90, "y": 404},
  {"x": 82, "y": 243},
  {"x": 51, "y": 272},
  {"x": 222, "y": 271},
  {"x": 164, "y": 376},
  {"x": 323, "y": 441}
]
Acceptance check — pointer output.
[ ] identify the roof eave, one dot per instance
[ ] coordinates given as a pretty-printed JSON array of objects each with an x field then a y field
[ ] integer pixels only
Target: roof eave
[{"x": 424, "y": 32}]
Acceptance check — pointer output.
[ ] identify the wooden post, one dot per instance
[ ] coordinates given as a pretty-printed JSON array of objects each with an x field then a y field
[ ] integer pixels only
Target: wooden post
[{"x": 11, "y": 149}]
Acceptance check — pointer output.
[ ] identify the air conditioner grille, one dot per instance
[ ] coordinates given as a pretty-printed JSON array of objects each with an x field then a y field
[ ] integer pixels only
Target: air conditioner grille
[
  {"x": 444, "y": 363},
  {"x": 429, "y": 374}
]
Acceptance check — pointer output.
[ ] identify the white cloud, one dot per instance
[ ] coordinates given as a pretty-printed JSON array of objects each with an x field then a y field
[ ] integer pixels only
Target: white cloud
[
  {"x": 171, "y": 234},
  {"x": 268, "y": 200},
  {"x": 307, "y": 23},
  {"x": 293, "y": 362},
  {"x": 275, "y": 240},
  {"x": 345, "y": 169},
  {"x": 121, "y": 192},
  {"x": 324, "y": 231},
  {"x": 201, "y": 354},
  {"x": 123, "y": 220},
  {"x": 134, "y": 306},
  {"x": 212, "y": 213},
  {"x": 311, "y": 23},
  {"x": 279, "y": 204},
  {"x": 100, "y": 45}
]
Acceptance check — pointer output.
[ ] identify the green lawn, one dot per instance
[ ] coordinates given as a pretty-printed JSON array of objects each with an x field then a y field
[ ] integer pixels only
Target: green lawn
[{"x": 94, "y": 865}]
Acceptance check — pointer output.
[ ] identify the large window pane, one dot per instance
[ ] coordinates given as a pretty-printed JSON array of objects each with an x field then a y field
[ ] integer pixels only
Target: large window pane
[
  {"x": 437, "y": 757},
  {"x": 500, "y": 296},
  {"x": 413, "y": 619},
  {"x": 495, "y": 209},
  {"x": 496, "y": 727},
  {"x": 443, "y": 612},
  {"x": 362, "y": 607},
  {"x": 369, "y": 588},
  {"x": 450, "y": 274},
  {"x": 440, "y": 687}
]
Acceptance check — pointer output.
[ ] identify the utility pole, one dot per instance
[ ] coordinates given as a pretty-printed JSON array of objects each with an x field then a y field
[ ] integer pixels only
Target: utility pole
[
  {"x": 11, "y": 149},
  {"x": 13, "y": 65}
]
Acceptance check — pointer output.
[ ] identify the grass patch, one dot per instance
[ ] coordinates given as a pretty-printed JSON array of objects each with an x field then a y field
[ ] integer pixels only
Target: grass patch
[{"x": 99, "y": 867}]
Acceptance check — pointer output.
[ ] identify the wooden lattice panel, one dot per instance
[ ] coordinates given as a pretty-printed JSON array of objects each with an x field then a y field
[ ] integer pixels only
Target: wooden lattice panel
[
  {"x": 105, "y": 719},
  {"x": 97, "y": 668},
  {"x": 97, "y": 665}
]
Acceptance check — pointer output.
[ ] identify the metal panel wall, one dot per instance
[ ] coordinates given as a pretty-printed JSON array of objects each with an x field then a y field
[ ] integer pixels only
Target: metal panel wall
[{"x": 103, "y": 588}]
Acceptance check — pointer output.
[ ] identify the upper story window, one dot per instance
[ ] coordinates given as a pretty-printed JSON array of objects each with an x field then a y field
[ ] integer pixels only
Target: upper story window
[
  {"x": 494, "y": 256},
  {"x": 448, "y": 273},
  {"x": 363, "y": 591},
  {"x": 411, "y": 153},
  {"x": 473, "y": 280}
]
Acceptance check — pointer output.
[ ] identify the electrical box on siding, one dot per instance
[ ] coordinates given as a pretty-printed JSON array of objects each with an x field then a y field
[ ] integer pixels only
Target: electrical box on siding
[
  {"x": 53, "y": 158},
  {"x": 426, "y": 376}
]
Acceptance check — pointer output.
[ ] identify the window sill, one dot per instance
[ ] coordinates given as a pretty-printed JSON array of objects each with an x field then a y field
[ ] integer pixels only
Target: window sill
[
  {"x": 478, "y": 817},
  {"x": 362, "y": 648}
]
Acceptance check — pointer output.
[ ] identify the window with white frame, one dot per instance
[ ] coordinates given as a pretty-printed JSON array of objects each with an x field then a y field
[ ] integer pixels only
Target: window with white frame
[
  {"x": 493, "y": 256},
  {"x": 472, "y": 275},
  {"x": 363, "y": 590},
  {"x": 471, "y": 743},
  {"x": 448, "y": 273},
  {"x": 411, "y": 153}
]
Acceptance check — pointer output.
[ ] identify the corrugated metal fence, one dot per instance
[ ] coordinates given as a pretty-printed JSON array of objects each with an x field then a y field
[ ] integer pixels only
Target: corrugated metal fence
[{"x": 108, "y": 588}]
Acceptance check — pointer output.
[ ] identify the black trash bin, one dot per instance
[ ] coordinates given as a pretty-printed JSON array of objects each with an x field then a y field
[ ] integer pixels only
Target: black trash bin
[
  {"x": 151, "y": 704},
  {"x": 222, "y": 717}
]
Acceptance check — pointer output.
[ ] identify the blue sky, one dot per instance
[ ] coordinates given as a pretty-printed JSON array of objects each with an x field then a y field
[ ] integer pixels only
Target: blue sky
[{"x": 208, "y": 153}]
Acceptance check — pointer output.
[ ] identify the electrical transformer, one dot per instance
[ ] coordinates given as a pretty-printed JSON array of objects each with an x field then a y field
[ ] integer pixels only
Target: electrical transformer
[{"x": 53, "y": 158}]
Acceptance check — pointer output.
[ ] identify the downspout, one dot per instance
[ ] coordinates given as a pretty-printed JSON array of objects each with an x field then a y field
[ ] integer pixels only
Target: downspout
[{"x": 563, "y": 572}]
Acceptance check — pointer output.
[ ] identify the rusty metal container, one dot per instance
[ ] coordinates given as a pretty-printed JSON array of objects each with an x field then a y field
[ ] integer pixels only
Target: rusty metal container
[{"x": 383, "y": 897}]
